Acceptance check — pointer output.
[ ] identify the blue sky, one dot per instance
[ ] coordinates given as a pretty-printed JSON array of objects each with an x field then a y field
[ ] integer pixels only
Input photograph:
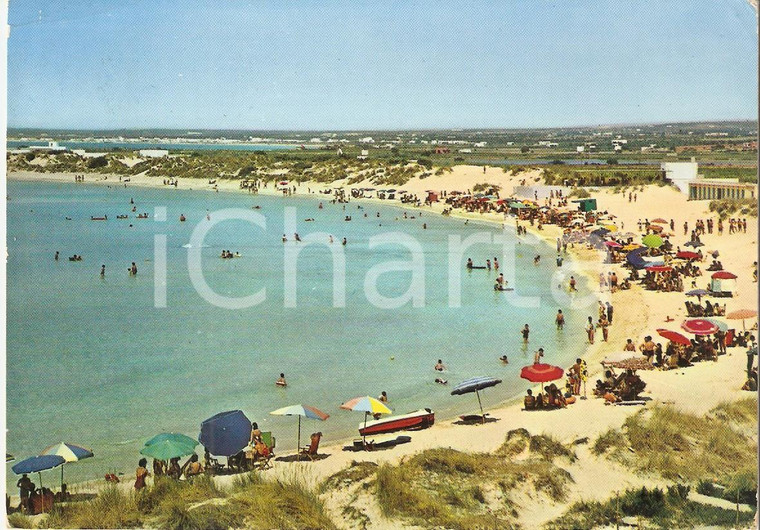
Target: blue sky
[{"x": 361, "y": 65}]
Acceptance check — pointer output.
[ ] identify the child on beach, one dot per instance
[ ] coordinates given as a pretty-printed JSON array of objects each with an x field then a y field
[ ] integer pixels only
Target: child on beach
[{"x": 537, "y": 356}]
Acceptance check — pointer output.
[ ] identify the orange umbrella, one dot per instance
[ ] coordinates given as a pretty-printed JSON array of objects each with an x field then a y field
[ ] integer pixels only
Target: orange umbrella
[
  {"x": 741, "y": 314},
  {"x": 659, "y": 220}
]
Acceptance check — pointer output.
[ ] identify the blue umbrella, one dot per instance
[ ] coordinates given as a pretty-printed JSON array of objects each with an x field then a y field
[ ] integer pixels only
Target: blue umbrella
[
  {"x": 698, "y": 292},
  {"x": 226, "y": 433},
  {"x": 37, "y": 464},
  {"x": 476, "y": 384},
  {"x": 69, "y": 452}
]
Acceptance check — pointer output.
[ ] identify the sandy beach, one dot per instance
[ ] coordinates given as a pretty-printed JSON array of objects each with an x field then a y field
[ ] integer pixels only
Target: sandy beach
[{"x": 696, "y": 389}]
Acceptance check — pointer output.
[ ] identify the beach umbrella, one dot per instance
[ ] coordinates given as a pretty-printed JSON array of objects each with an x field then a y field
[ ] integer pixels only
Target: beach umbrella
[
  {"x": 368, "y": 405},
  {"x": 476, "y": 384},
  {"x": 673, "y": 336},
  {"x": 226, "y": 433},
  {"x": 686, "y": 254},
  {"x": 652, "y": 241},
  {"x": 174, "y": 436},
  {"x": 659, "y": 268},
  {"x": 722, "y": 326},
  {"x": 611, "y": 228},
  {"x": 694, "y": 244},
  {"x": 699, "y": 326},
  {"x": 38, "y": 464},
  {"x": 723, "y": 275},
  {"x": 541, "y": 373},
  {"x": 168, "y": 449},
  {"x": 698, "y": 293},
  {"x": 69, "y": 452},
  {"x": 613, "y": 244},
  {"x": 659, "y": 220},
  {"x": 742, "y": 314},
  {"x": 656, "y": 228},
  {"x": 301, "y": 410},
  {"x": 632, "y": 246}
]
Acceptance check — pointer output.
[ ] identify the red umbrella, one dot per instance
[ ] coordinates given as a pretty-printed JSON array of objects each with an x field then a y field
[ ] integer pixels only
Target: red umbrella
[
  {"x": 541, "y": 373},
  {"x": 699, "y": 326},
  {"x": 659, "y": 268},
  {"x": 658, "y": 220},
  {"x": 673, "y": 336},
  {"x": 724, "y": 275},
  {"x": 613, "y": 244},
  {"x": 686, "y": 254}
]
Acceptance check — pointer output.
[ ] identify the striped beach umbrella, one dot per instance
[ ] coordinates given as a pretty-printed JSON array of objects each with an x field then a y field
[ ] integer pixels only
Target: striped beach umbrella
[
  {"x": 742, "y": 314},
  {"x": 476, "y": 384},
  {"x": 368, "y": 405},
  {"x": 699, "y": 326},
  {"x": 69, "y": 452},
  {"x": 304, "y": 411}
]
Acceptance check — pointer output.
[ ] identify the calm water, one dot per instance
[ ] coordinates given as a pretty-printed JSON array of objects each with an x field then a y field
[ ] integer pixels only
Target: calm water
[
  {"x": 134, "y": 146},
  {"x": 92, "y": 361}
]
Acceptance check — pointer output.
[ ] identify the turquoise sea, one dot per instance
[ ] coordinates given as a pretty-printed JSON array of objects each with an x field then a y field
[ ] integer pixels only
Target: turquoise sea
[{"x": 91, "y": 361}]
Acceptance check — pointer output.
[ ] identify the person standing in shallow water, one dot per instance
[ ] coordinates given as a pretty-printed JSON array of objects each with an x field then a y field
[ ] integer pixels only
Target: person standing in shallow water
[
  {"x": 560, "y": 320},
  {"x": 525, "y": 333}
]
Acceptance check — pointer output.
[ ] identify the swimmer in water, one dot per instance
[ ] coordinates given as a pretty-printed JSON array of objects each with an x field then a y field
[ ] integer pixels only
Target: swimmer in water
[
  {"x": 284, "y": 238},
  {"x": 441, "y": 381},
  {"x": 281, "y": 380},
  {"x": 102, "y": 270},
  {"x": 504, "y": 359},
  {"x": 344, "y": 242},
  {"x": 440, "y": 367}
]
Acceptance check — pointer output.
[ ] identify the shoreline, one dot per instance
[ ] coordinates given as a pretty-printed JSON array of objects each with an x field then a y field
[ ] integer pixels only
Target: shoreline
[{"x": 633, "y": 317}]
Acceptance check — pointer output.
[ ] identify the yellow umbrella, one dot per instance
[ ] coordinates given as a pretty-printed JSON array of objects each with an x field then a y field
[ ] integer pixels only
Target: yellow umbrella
[
  {"x": 368, "y": 405},
  {"x": 632, "y": 246},
  {"x": 611, "y": 228}
]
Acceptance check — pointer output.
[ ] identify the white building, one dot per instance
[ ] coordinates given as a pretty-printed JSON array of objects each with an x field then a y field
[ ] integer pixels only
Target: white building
[
  {"x": 680, "y": 173},
  {"x": 154, "y": 153},
  {"x": 51, "y": 147},
  {"x": 480, "y": 144},
  {"x": 580, "y": 148},
  {"x": 367, "y": 140}
]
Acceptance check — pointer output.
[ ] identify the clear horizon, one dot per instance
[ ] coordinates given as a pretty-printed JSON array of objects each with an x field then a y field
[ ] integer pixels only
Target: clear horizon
[{"x": 336, "y": 66}]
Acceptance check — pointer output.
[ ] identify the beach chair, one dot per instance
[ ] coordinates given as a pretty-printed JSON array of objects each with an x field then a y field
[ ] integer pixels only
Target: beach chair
[
  {"x": 262, "y": 461},
  {"x": 313, "y": 447}
]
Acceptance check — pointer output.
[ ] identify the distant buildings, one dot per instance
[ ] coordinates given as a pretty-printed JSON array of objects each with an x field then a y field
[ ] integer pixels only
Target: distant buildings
[{"x": 685, "y": 177}]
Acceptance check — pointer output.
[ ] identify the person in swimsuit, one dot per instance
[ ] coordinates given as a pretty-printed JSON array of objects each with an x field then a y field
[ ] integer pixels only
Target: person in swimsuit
[
  {"x": 440, "y": 367},
  {"x": 281, "y": 380},
  {"x": 525, "y": 333},
  {"x": 141, "y": 474}
]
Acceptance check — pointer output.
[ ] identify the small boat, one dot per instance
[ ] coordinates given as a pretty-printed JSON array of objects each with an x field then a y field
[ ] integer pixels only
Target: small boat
[
  {"x": 104, "y": 218},
  {"x": 122, "y": 217},
  {"x": 419, "y": 419},
  {"x": 142, "y": 216}
]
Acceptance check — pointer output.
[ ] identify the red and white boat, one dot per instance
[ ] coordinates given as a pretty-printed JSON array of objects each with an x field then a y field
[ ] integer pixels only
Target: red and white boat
[{"x": 419, "y": 419}]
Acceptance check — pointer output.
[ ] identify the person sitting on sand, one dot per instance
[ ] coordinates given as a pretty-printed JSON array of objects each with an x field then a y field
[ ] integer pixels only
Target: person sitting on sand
[
  {"x": 192, "y": 467},
  {"x": 529, "y": 401},
  {"x": 439, "y": 366}
]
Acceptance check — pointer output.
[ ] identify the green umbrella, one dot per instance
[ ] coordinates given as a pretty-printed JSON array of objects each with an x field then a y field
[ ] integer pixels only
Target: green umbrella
[
  {"x": 652, "y": 241},
  {"x": 173, "y": 436},
  {"x": 167, "y": 449}
]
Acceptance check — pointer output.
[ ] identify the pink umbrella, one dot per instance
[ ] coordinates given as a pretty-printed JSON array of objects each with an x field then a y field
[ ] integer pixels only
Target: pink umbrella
[
  {"x": 613, "y": 244},
  {"x": 699, "y": 326}
]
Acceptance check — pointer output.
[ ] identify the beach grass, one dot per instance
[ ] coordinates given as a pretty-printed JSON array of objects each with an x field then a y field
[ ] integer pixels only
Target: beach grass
[
  {"x": 354, "y": 473},
  {"x": 654, "y": 507},
  {"x": 19, "y": 520},
  {"x": 682, "y": 446},
  {"x": 743, "y": 411},
  {"x": 453, "y": 489},
  {"x": 112, "y": 508}
]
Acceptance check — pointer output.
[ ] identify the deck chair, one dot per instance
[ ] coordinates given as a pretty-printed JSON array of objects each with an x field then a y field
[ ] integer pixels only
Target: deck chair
[
  {"x": 270, "y": 441},
  {"x": 313, "y": 447}
]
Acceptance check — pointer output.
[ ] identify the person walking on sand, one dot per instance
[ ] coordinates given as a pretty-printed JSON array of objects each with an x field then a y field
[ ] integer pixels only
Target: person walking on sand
[
  {"x": 560, "y": 320},
  {"x": 590, "y": 330},
  {"x": 141, "y": 474},
  {"x": 604, "y": 324},
  {"x": 572, "y": 283},
  {"x": 525, "y": 334},
  {"x": 610, "y": 310}
]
